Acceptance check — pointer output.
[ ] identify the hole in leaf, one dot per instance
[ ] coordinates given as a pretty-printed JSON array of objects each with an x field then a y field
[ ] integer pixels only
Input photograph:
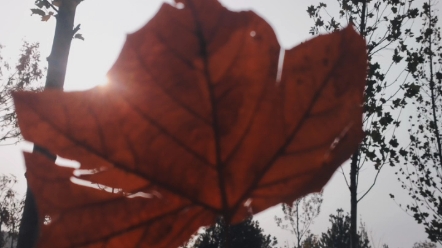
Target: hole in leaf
[
  {"x": 252, "y": 33},
  {"x": 247, "y": 203},
  {"x": 157, "y": 194},
  {"x": 47, "y": 220},
  {"x": 341, "y": 135},
  {"x": 280, "y": 65},
  {"x": 140, "y": 194},
  {"x": 67, "y": 163},
  {"x": 179, "y": 5},
  {"x": 79, "y": 173},
  {"x": 336, "y": 141},
  {"x": 97, "y": 186}
]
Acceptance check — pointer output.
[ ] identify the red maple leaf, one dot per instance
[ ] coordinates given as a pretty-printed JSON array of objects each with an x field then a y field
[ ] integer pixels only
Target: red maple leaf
[{"x": 197, "y": 121}]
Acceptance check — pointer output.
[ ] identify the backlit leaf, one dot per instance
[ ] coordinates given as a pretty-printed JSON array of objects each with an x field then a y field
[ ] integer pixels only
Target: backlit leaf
[
  {"x": 78, "y": 36},
  {"x": 196, "y": 121},
  {"x": 56, "y": 3},
  {"x": 45, "y": 18},
  {"x": 38, "y": 12}
]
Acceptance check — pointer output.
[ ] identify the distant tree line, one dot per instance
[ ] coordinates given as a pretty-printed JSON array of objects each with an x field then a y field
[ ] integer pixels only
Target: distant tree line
[
  {"x": 11, "y": 207},
  {"x": 249, "y": 234}
]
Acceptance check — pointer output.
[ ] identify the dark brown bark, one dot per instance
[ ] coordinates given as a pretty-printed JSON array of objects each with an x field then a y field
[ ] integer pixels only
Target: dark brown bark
[
  {"x": 64, "y": 31},
  {"x": 28, "y": 231},
  {"x": 298, "y": 235},
  {"x": 354, "y": 200},
  {"x": 354, "y": 170},
  {"x": 432, "y": 90},
  {"x": 57, "y": 63}
]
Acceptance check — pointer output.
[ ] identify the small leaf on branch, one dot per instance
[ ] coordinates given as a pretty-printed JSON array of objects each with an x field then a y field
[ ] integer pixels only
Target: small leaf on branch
[
  {"x": 79, "y": 36},
  {"x": 42, "y": 3},
  {"x": 38, "y": 12},
  {"x": 56, "y": 3},
  {"x": 45, "y": 18}
]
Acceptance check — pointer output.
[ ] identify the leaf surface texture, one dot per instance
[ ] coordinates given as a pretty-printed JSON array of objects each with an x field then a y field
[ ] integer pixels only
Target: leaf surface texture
[{"x": 193, "y": 124}]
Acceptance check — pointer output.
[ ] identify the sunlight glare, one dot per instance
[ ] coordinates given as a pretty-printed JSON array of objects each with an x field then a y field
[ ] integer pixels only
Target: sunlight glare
[
  {"x": 103, "y": 82},
  {"x": 63, "y": 162}
]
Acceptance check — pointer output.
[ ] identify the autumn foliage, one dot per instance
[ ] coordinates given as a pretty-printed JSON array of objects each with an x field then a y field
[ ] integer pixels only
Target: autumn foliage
[{"x": 197, "y": 121}]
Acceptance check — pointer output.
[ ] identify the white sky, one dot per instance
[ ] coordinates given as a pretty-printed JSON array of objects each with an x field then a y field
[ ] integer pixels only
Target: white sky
[{"x": 105, "y": 23}]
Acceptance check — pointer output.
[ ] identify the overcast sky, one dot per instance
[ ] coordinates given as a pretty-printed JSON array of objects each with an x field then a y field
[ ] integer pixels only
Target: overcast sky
[{"x": 105, "y": 24}]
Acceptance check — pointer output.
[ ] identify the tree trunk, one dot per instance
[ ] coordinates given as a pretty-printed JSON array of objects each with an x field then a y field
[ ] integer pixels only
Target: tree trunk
[
  {"x": 57, "y": 63},
  {"x": 354, "y": 240},
  {"x": 227, "y": 239},
  {"x": 64, "y": 31},
  {"x": 354, "y": 200},
  {"x": 298, "y": 235},
  {"x": 432, "y": 90},
  {"x": 13, "y": 237},
  {"x": 28, "y": 231},
  {"x": 1, "y": 234}
]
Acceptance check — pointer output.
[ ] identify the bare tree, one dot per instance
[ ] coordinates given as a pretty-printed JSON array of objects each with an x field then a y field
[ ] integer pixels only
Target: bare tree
[
  {"x": 11, "y": 207},
  {"x": 386, "y": 26},
  {"x": 26, "y": 74},
  {"x": 299, "y": 216}
]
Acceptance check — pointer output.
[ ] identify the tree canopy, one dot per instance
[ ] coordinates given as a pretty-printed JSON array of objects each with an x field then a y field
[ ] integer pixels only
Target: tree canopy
[
  {"x": 338, "y": 235},
  {"x": 247, "y": 234}
]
